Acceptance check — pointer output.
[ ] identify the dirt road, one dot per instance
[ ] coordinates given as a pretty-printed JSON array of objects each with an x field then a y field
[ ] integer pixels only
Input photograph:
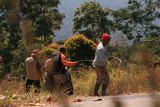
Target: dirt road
[{"x": 148, "y": 100}]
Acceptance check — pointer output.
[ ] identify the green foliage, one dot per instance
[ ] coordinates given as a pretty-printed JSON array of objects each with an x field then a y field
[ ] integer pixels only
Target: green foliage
[
  {"x": 45, "y": 51},
  {"x": 61, "y": 42},
  {"x": 10, "y": 36},
  {"x": 80, "y": 48},
  {"x": 48, "y": 50},
  {"x": 4, "y": 39},
  {"x": 92, "y": 20},
  {"x": 44, "y": 14},
  {"x": 44, "y": 18},
  {"x": 54, "y": 46},
  {"x": 137, "y": 19},
  {"x": 19, "y": 56},
  {"x": 10, "y": 31},
  {"x": 155, "y": 47},
  {"x": 118, "y": 51}
]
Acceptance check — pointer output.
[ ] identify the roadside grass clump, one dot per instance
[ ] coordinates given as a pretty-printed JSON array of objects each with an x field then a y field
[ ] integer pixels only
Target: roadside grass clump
[
  {"x": 12, "y": 94},
  {"x": 83, "y": 81},
  {"x": 9, "y": 92},
  {"x": 123, "y": 81}
]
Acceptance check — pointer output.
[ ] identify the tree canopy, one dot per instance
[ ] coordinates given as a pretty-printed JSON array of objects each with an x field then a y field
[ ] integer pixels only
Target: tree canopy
[
  {"x": 40, "y": 19},
  {"x": 92, "y": 20},
  {"x": 45, "y": 16},
  {"x": 138, "y": 19}
]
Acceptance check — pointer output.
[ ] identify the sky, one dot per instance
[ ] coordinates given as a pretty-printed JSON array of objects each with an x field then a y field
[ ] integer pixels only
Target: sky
[{"x": 68, "y": 7}]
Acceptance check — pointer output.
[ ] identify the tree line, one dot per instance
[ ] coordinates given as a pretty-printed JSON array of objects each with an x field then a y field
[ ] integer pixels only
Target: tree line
[{"x": 24, "y": 23}]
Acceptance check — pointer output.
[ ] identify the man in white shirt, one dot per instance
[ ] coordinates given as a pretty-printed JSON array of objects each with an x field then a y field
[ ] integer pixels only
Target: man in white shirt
[{"x": 100, "y": 60}]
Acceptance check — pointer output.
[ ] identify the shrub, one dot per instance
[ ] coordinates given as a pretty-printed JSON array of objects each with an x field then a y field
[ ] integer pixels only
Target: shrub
[
  {"x": 45, "y": 51},
  {"x": 51, "y": 48},
  {"x": 79, "y": 47},
  {"x": 54, "y": 46}
]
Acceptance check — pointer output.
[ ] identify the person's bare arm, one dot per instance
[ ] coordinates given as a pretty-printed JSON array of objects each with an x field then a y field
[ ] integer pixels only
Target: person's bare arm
[{"x": 66, "y": 62}]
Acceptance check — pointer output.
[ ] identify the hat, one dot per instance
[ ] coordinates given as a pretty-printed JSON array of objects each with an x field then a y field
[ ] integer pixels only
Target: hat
[
  {"x": 62, "y": 49},
  {"x": 35, "y": 52},
  {"x": 105, "y": 37}
]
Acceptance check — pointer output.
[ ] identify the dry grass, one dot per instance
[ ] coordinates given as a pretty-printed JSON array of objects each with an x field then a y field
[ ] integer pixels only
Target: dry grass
[
  {"x": 130, "y": 80},
  {"x": 122, "y": 81},
  {"x": 84, "y": 82},
  {"x": 12, "y": 94}
]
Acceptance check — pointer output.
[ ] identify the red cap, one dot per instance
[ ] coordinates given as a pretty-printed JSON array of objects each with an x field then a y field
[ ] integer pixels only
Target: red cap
[{"x": 105, "y": 37}]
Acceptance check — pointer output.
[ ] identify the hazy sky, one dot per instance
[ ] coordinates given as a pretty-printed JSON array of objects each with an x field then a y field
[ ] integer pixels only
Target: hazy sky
[{"x": 68, "y": 6}]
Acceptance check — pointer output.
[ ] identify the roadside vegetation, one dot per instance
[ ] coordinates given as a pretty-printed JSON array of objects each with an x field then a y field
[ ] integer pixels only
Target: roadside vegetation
[
  {"x": 29, "y": 25},
  {"x": 139, "y": 81}
]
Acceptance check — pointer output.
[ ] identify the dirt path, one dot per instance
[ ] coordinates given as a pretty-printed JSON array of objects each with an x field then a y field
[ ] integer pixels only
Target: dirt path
[{"x": 114, "y": 101}]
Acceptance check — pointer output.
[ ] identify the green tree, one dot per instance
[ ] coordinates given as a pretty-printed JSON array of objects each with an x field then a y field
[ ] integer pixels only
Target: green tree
[
  {"x": 44, "y": 15},
  {"x": 10, "y": 33},
  {"x": 4, "y": 39},
  {"x": 92, "y": 20},
  {"x": 137, "y": 20}
]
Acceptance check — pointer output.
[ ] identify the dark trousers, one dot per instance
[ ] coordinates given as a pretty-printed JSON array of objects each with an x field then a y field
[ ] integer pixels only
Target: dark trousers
[
  {"x": 49, "y": 82},
  {"x": 70, "y": 89},
  {"x": 33, "y": 83}
]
